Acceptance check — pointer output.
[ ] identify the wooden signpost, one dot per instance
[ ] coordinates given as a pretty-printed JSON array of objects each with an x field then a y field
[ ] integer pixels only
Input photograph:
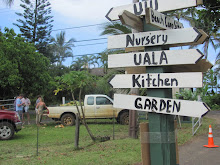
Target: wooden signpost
[
  {"x": 160, "y": 20},
  {"x": 173, "y": 37},
  {"x": 157, "y": 80},
  {"x": 155, "y": 58},
  {"x": 159, "y": 5},
  {"x": 161, "y": 105}
]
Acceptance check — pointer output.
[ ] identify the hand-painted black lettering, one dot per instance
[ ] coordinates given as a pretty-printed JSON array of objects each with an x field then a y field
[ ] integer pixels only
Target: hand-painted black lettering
[
  {"x": 152, "y": 39},
  {"x": 177, "y": 106},
  {"x": 154, "y": 105},
  {"x": 160, "y": 81},
  {"x": 166, "y": 83},
  {"x": 148, "y": 79},
  {"x": 136, "y": 12},
  {"x": 147, "y": 104},
  {"x": 156, "y": 4},
  {"x": 143, "y": 82},
  {"x": 147, "y": 59},
  {"x": 168, "y": 106},
  {"x": 162, "y": 105},
  {"x": 158, "y": 36},
  {"x": 142, "y": 40},
  {"x": 173, "y": 80},
  {"x": 138, "y": 41},
  {"x": 153, "y": 58},
  {"x": 136, "y": 61},
  {"x": 154, "y": 83},
  {"x": 163, "y": 57},
  {"x": 135, "y": 81},
  {"x": 164, "y": 38},
  {"x": 148, "y": 41},
  {"x": 152, "y": 16},
  {"x": 129, "y": 40},
  {"x": 137, "y": 104}
]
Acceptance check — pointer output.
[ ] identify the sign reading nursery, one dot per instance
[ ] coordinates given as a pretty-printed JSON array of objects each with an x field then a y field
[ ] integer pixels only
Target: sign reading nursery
[
  {"x": 171, "y": 37},
  {"x": 161, "y": 105}
]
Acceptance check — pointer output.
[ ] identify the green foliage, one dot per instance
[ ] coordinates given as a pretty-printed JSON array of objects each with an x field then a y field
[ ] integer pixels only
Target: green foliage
[
  {"x": 213, "y": 101},
  {"x": 115, "y": 28},
  {"x": 73, "y": 80},
  {"x": 62, "y": 48},
  {"x": 22, "y": 69},
  {"x": 35, "y": 24}
]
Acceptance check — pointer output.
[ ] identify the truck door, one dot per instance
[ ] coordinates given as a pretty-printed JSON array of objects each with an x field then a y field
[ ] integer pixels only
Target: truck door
[
  {"x": 90, "y": 107},
  {"x": 104, "y": 107}
]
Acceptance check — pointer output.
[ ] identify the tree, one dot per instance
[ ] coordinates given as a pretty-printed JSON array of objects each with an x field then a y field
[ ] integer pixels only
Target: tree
[
  {"x": 61, "y": 48},
  {"x": 114, "y": 28},
  {"x": 71, "y": 82},
  {"x": 22, "y": 69},
  {"x": 35, "y": 24}
]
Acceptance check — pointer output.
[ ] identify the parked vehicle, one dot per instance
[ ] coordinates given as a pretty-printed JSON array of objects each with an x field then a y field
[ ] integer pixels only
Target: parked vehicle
[
  {"x": 10, "y": 123},
  {"x": 95, "y": 107}
]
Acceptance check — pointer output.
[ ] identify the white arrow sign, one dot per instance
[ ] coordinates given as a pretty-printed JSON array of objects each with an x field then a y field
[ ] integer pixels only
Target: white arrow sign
[
  {"x": 157, "y": 80},
  {"x": 173, "y": 37},
  {"x": 159, "y": 5},
  {"x": 161, "y": 105},
  {"x": 154, "y": 58},
  {"x": 160, "y": 20}
]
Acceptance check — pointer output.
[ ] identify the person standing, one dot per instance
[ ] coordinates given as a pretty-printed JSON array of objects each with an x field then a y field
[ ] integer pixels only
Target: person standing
[
  {"x": 19, "y": 105},
  {"x": 39, "y": 113},
  {"x": 27, "y": 103}
]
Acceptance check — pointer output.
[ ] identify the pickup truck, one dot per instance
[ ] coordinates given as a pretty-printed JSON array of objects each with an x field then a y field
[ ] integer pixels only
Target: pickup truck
[
  {"x": 95, "y": 107},
  {"x": 10, "y": 123}
]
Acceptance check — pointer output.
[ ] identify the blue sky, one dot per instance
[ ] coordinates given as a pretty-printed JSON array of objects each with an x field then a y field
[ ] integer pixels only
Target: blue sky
[{"x": 75, "y": 13}]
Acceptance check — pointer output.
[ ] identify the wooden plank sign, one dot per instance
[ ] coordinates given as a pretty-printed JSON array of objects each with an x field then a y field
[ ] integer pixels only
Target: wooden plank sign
[
  {"x": 159, "y": 5},
  {"x": 157, "y": 80},
  {"x": 173, "y": 37},
  {"x": 161, "y": 105},
  {"x": 131, "y": 20},
  {"x": 155, "y": 58},
  {"x": 161, "y": 21}
]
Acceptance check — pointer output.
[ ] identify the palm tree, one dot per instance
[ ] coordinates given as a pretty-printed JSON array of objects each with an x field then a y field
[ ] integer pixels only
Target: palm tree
[
  {"x": 77, "y": 65},
  {"x": 62, "y": 49},
  {"x": 114, "y": 28},
  {"x": 200, "y": 20}
]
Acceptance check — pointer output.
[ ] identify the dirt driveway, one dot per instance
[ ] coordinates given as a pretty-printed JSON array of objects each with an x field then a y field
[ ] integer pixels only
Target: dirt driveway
[{"x": 193, "y": 153}]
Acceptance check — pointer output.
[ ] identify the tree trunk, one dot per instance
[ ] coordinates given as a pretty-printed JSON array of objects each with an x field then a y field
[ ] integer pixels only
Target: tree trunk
[{"x": 83, "y": 114}]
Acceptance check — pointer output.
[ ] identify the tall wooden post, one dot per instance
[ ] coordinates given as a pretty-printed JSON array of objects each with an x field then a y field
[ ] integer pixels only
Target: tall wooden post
[
  {"x": 161, "y": 127},
  {"x": 133, "y": 125}
]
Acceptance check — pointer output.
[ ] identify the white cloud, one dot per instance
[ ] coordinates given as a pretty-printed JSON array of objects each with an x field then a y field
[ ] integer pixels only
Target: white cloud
[{"x": 86, "y": 10}]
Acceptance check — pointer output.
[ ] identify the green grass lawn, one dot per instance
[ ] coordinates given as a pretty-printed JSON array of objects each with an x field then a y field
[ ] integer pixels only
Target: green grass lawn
[{"x": 56, "y": 145}]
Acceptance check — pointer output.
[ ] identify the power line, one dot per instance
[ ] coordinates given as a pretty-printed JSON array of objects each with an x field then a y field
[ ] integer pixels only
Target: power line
[
  {"x": 91, "y": 39},
  {"x": 92, "y": 44},
  {"x": 86, "y": 54},
  {"x": 76, "y": 27}
]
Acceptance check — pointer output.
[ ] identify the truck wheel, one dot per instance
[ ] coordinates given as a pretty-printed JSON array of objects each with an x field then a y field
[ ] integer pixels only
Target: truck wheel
[
  {"x": 6, "y": 130},
  {"x": 68, "y": 120},
  {"x": 124, "y": 118}
]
